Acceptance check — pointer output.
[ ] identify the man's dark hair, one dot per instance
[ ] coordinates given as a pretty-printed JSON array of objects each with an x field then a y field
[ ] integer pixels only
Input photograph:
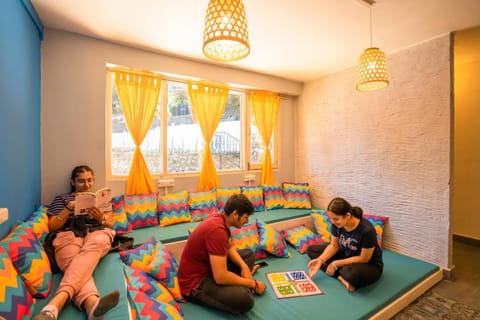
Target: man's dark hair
[{"x": 240, "y": 203}]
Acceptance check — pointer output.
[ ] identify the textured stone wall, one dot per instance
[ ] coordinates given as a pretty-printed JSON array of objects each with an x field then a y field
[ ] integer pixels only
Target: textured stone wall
[{"x": 386, "y": 151}]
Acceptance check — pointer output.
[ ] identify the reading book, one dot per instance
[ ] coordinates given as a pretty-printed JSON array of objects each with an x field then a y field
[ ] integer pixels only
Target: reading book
[{"x": 101, "y": 199}]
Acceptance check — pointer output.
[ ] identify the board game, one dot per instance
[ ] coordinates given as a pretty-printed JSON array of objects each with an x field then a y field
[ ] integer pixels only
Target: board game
[{"x": 290, "y": 284}]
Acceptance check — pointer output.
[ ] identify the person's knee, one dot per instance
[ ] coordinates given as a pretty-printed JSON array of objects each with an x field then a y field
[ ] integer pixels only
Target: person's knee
[{"x": 245, "y": 303}]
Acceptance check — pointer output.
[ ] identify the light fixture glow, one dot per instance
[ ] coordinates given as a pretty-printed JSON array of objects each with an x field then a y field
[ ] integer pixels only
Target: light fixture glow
[
  {"x": 372, "y": 66},
  {"x": 225, "y": 37}
]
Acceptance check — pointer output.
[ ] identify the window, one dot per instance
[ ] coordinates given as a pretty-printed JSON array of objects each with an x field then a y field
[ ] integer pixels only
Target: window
[{"x": 175, "y": 133}]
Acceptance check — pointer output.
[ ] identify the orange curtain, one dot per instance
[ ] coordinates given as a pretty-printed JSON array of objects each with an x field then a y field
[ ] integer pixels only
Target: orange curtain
[
  {"x": 138, "y": 94},
  {"x": 265, "y": 107},
  {"x": 208, "y": 103}
]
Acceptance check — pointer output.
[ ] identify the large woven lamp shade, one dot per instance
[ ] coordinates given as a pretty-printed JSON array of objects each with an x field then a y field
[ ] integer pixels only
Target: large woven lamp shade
[
  {"x": 225, "y": 37},
  {"x": 372, "y": 64},
  {"x": 372, "y": 70}
]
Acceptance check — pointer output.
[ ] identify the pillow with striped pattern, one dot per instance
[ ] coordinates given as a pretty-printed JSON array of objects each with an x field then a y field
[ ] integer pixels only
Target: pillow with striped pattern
[
  {"x": 39, "y": 223},
  {"x": 271, "y": 240},
  {"x": 273, "y": 196},
  {"x": 119, "y": 216},
  {"x": 173, "y": 208},
  {"x": 141, "y": 210},
  {"x": 15, "y": 299},
  {"x": 30, "y": 259},
  {"x": 322, "y": 224},
  {"x": 223, "y": 194},
  {"x": 156, "y": 260},
  {"x": 255, "y": 195},
  {"x": 297, "y": 195},
  {"x": 301, "y": 238},
  {"x": 246, "y": 237},
  {"x": 202, "y": 204},
  {"x": 378, "y": 222},
  {"x": 139, "y": 280}
]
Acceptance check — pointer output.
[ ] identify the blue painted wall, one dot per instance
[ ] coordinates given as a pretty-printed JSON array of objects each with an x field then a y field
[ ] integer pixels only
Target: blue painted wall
[{"x": 20, "y": 169}]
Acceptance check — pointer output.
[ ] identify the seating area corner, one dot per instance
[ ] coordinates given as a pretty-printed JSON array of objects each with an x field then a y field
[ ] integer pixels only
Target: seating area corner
[{"x": 160, "y": 226}]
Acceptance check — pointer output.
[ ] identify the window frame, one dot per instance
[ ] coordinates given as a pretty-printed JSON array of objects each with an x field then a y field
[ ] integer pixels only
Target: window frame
[{"x": 245, "y": 134}]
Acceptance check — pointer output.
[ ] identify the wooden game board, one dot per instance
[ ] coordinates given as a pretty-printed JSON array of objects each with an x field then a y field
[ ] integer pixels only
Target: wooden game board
[{"x": 290, "y": 284}]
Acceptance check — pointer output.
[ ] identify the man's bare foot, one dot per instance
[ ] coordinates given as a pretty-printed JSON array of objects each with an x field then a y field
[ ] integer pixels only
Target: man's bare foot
[
  {"x": 255, "y": 268},
  {"x": 347, "y": 284}
]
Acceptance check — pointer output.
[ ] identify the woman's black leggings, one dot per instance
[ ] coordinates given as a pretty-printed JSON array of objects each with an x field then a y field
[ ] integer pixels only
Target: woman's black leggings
[{"x": 357, "y": 274}]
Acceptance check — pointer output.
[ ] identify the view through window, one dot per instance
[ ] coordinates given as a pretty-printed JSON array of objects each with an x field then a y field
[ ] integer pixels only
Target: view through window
[{"x": 181, "y": 140}]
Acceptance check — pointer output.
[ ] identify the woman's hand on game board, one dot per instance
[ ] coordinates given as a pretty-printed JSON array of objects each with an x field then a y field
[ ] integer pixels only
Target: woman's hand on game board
[
  {"x": 260, "y": 287},
  {"x": 313, "y": 267}
]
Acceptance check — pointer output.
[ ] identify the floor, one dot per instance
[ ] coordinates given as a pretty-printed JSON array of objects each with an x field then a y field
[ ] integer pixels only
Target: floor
[{"x": 466, "y": 286}]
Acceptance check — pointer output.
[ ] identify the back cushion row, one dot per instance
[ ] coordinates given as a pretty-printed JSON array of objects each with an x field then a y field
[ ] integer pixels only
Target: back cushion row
[{"x": 137, "y": 211}]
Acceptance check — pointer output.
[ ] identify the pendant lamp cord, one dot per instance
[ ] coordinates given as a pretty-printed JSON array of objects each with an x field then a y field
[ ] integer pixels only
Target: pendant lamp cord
[{"x": 371, "y": 34}]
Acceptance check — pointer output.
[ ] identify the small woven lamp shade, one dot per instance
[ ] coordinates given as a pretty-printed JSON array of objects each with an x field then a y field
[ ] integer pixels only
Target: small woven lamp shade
[
  {"x": 225, "y": 37},
  {"x": 372, "y": 70}
]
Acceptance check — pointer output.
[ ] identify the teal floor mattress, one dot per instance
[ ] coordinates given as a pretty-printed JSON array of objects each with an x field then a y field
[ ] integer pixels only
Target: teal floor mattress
[{"x": 401, "y": 273}]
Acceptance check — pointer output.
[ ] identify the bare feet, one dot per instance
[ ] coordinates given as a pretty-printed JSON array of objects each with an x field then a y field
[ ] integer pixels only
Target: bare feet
[
  {"x": 347, "y": 285},
  {"x": 255, "y": 268}
]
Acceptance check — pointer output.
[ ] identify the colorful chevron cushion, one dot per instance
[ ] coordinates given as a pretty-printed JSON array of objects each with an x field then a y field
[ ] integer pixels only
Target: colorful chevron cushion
[
  {"x": 297, "y": 195},
  {"x": 322, "y": 224},
  {"x": 271, "y": 240},
  {"x": 139, "y": 280},
  {"x": 301, "y": 238},
  {"x": 255, "y": 195},
  {"x": 378, "y": 223},
  {"x": 15, "y": 300},
  {"x": 119, "y": 216},
  {"x": 144, "y": 307},
  {"x": 202, "y": 204},
  {"x": 246, "y": 237},
  {"x": 39, "y": 223},
  {"x": 141, "y": 210},
  {"x": 223, "y": 194},
  {"x": 155, "y": 259},
  {"x": 29, "y": 258},
  {"x": 173, "y": 208},
  {"x": 273, "y": 196},
  {"x": 140, "y": 256}
]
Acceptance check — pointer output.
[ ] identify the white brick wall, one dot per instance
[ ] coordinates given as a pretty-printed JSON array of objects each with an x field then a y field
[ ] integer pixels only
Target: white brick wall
[{"x": 386, "y": 151}]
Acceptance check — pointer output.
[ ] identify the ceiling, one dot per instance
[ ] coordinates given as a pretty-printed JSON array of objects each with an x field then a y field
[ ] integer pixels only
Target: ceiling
[{"x": 300, "y": 40}]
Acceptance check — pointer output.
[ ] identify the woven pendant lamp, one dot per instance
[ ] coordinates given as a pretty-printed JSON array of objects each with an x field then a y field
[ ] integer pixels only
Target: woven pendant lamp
[
  {"x": 225, "y": 37},
  {"x": 372, "y": 65}
]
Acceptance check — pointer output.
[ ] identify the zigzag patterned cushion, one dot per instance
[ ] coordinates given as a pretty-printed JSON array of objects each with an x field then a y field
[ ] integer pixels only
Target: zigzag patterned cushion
[
  {"x": 273, "y": 196},
  {"x": 378, "y": 223},
  {"x": 297, "y": 195},
  {"x": 322, "y": 224},
  {"x": 155, "y": 259},
  {"x": 255, "y": 195},
  {"x": 202, "y": 204},
  {"x": 15, "y": 300},
  {"x": 301, "y": 238},
  {"x": 39, "y": 223},
  {"x": 119, "y": 216},
  {"x": 271, "y": 240},
  {"x": 246, "y": 237},
  {"x": 141, "y": 210},
  {"x": 139, "y": 280},
  {"x": 140, "y": 256},
  {"x": 147, "y": 308},
  {"x": 173, "y": 208},
  {"x": 29, "y": 258},
  {"x": 164, "y": 267},
  {"x": 223, "y": 194}
]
